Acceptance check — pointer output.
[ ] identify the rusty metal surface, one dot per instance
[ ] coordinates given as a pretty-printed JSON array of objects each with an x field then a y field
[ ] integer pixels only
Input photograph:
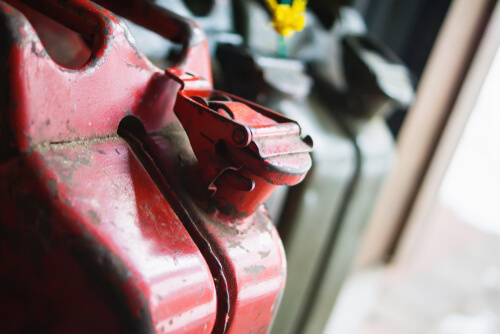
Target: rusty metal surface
[{"x": 106, "y": 235}]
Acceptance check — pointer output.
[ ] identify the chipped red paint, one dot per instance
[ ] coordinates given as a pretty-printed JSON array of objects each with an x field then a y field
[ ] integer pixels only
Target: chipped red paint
[{"x": 109, "y": 234}]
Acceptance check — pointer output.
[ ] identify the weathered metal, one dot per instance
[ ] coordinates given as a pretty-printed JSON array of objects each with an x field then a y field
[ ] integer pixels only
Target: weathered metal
[{"x": 103, "y": 233}]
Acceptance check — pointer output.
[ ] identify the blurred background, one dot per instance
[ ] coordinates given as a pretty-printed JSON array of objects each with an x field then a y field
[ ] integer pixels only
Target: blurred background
[{"x": 396, "y": 227}]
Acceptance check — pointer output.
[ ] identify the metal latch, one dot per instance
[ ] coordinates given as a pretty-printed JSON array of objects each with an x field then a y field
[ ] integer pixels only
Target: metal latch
[{"x": 244, "y": 151}]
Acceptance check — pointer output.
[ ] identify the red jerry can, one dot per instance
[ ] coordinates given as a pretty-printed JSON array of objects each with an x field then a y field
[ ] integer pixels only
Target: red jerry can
[{"x": 131, "y": 196}]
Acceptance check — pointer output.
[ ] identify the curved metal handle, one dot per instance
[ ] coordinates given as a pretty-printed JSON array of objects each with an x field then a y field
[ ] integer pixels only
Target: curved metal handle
[
  {"x": 81, "y": 16},
  {"x": 165, "y": 23},
  {"x": 84, "y": 17}
]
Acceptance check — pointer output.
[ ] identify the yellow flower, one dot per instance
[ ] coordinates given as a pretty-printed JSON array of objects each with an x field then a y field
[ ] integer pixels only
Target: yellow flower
[{"x": 287, "y": 18}]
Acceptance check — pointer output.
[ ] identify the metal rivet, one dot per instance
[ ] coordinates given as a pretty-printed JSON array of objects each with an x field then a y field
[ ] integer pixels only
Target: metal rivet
[{"x": 239, "y": 137}]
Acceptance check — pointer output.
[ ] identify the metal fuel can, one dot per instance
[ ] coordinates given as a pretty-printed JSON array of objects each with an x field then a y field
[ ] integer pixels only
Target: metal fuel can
[{"x": 131, "y": 196}]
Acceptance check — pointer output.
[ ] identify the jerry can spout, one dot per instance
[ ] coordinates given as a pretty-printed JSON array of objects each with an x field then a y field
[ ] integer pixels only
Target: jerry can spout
[{"x": 243, "y": 151}]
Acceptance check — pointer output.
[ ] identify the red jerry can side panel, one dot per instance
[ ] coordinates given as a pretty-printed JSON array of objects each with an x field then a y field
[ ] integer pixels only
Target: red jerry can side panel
[{"x": 101, "y": 235}]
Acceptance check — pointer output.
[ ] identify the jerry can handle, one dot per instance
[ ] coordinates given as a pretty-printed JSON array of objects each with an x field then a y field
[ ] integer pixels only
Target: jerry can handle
[
  {"x": 169, "y": 25},
  {"x": 85, "y": 18},
  {"x": 79, "y": 16}
]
